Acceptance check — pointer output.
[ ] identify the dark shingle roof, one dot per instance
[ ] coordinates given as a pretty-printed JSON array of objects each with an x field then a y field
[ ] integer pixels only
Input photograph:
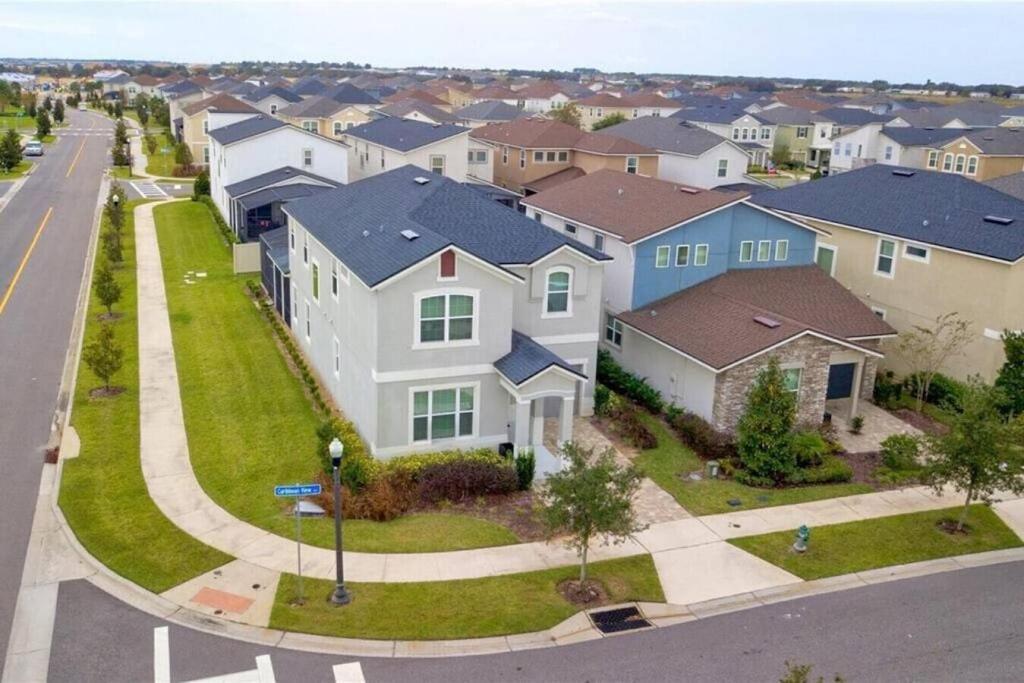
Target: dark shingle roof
[
  {"x": 1012, "y": 185},
  {"x": 276, "y": 244},
  {"x": 789, "y": 116},
  {"x": 943, "y": 209},
  {"x": 912, "y": 137},
  {"x": 403, "y": 134},
  {"x": 234, "y": 132},
  {"x": 278, "y": 175},
  {"x": 311, "y": 85},
  {"x": 263, "y": 93},
  {"x": 403, "y": 108},
  {"x": 316, "y": 107},
  {"x": 350, "y": 94},
  {"x": 180, "y": 88},
  {"x": 723, "y": 113},
  {"x": 849, "y": 116},
  {"x": 527, "y": 359},
  {"x": 998, "y": 141},
  {"x": 667, "y": 135},
  {"x": 490, "y": 110},
  {"x": 361, "y": 223}
]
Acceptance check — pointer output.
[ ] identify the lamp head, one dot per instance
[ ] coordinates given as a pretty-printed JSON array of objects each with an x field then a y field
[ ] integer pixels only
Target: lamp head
[{"x": 336, "y": 449}]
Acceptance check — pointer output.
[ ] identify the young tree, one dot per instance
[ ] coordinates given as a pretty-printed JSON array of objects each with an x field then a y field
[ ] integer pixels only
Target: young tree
[
  {"x": 610, "y": 120},
  {"x": 1011, "y": 375},
  {"x": 43, "y": 125},
  {"x": 112, "y": 245},
  {"x": 143, "y": 114},
  {"x": 202, "y": 185},
  {"x": 48, "y": 103},
  {"x": 780, "y": 155},
  {"x": 104, "y": 355},
  {"x": 108, "y": 291},
  {"x": 10, "y": 150},
  {"x": 118, "y": 110},
  {"x": 569, "y": 114},
  {"x": 151, "y": 144},
  {"x": 120, "y": 133},
  {"x": 591, "y": 497},
  {"x": 58, "y": 111},
  {"x": 927, "y": 349},
  {"x": 182, "y": 155},
  {"x": 6, "y": 96},
  {"x": 982, "y": 451},
  {"x": 763, "y": 433}
]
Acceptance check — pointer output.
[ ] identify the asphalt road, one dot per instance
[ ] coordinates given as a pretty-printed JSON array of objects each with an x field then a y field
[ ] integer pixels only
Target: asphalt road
[
  {"x": 35, "y": 325},
  {"x": 958, "y": 626}
]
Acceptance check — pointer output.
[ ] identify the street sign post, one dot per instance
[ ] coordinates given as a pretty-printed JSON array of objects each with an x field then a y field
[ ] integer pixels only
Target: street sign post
[{"x": 297, "y": 491}]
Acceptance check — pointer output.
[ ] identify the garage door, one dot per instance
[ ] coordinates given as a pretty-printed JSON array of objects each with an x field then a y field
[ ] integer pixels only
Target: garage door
[{"x": 840, "y": 380}]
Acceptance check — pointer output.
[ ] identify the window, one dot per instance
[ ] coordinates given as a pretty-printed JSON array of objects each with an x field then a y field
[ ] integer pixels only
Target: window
[
  {"x": 916, "y": 252},
  {"x": 888, "y": 152},
  {"x": 478, "y": 156},
  {"x": 504, "y": 156},
  {"x": 307, "y": 158},
  {"x": 315, "y": 280},
  {"x": 661, "y": 256},
  {"x": 437, "y": 164},
  {"x": 381, "y": 157},
  {"x": 550, "y": 158},
  {"x": 350, "y": 124},
  {"x": 791, "y": 379},
  {"x": 764, "y": 250},
  {"x": 305, "y": 248},
  {"x": 848, "y": 150},
  {"x": 836, "y": 149},
  {"x": 822, "y": 133},
  {"x": 743, "y": 133},
  {"x": 884, "y": 264},
  {"x": 337, "y": 357},
  {"x": 801, "y": 132},
  {"x": 563, "y": 157},
  {"x": 860, "y": 151},
  {"x": 442, "y": 413},
  {"x": 570, "y": 228},
  {"x": 682, "y": 255},
  {"x": 557, "y": 299},
  {"x": 291, "y": 239},
  {"x": 206, "y": 154},
  {"x": 273, "y": 109},
  {"x": 538, "y": 157},
  {"x": 972, "y": 165},
  {"x": 723, "y": 168},
  {"x": 961, "y": 160},
  {"x": 309, "y": 328},
  {"x": 746, "y": 251},
  {"x": 522, "y": 158},
  {"x": 735, "y": 133},
  {"x": 933, "y": 159},
  {"x": 446, "y": 266},
  {"x": 334, "y": 278},
  {"x": 311, "y": 126},
  {"x": 947, "y": 162},
  {"x": 766, "y": 134},
  {"x": 632, "y": 164},
  {"x": 613, "y": 331},
  {"x": 700, "y": 256},
  {"x": 446, "y": 318},
  {"x": 338, "y": 128},
  {"x": 782, "y": 250},
  {"x": 295, "y": 307},
  {"x": 636, "y": 113},
  {"x": 206, "y": 126},
  {"x": 599, "y": 242}
]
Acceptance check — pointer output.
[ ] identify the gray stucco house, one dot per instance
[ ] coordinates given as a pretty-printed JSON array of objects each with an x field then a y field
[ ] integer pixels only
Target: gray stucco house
[{"x": 438, "y": 318}]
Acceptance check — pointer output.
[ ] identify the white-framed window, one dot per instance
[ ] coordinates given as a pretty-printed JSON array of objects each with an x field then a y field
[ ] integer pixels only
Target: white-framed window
[
  {"x": 563, "y": 157},
  {"x": 446, "y": 317},
  {"x": 880, "y": 312},
  {"x": 961, "y": 162},
  {"x": 477, "y": 156},
  {"x": 848, "y": 149},
  {"x": 314, "y": 274},
  {"x": 558, "y": 293},
  {"x": 437, "y": 164},
  {"x": 632, "y": 165},
  {"x": 338, "y": 128},
  {"x": 782, "y": 250},
  {"x": 764, "y": 250},
  {"x": 311, "y": 126},
  {"x": 746, "y": 251},
  {"x": 443, "y": 413},
  {"x": 801, "y": 132},
  {"x": 309, "y": 322},
  {"x": 766, "y": 133},
  {"x": 933, "y": 158},
  {"x": 522, "y": 158},
  {"x": 599, "y": 242},
  {"x": 723, "y": 168},
  {"x": 947, "y": 162},
  {"x": 885, "y": 261},
  {"x": 916, "y": 252},
  {"x": 735, "y": 133},
  {"x": 504, "y": 156},
  {"x": 305, "y": 249},
  {"x": 860, "y": 151},
  {"x": 836, "y": 149},
  {"x": 291, "y": 239},
  {"x": 744, "y": 133},
  {"x": 791, "y": 379},
  {"x": 888, "y": 152},
  {"x": 972, "y": 165},
  {"x": 382, "y": 158},
  {"x": 613, "y": 330},
  {"x": 337, "y": 357},
  {"x": 661, "y": 256},
  {"x": 550, "y": 157},
  {"x": 206, "y": 126},
  {"x": 334, "y": 278},
  {"x": 682, "y": 255},
  {"x": 307, "y": 158},
  {"x": 206, "y": 154},
  {"x": 570, "y": 229},
  {"x": 700, "y": 255},
  {"x": 538, "y": 157}
]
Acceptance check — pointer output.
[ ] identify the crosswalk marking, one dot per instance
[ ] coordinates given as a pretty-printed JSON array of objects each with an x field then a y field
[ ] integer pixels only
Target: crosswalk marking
[
  {"x": 263, "y": 673},
  {"x": 348, "y": 673},
  {"x": 148, "y": 189}
]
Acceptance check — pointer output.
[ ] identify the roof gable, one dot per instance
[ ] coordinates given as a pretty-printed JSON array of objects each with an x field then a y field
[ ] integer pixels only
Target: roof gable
[{"x": 404, "y": 135}]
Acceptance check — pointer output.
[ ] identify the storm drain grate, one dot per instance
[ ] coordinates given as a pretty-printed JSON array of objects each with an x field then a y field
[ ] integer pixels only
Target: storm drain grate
[{"x": 617, "y": 620}]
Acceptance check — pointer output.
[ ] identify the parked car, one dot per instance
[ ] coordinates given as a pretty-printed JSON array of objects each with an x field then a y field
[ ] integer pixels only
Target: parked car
[
  {"x": 81, "y": 106},
  {"x": 33, "y": 148}
]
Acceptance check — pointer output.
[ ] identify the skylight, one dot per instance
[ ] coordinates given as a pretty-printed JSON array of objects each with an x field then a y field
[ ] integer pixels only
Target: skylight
[
  {"x": 420, "y": 180},
  {"x": 902, "y": 173},
  {"x": 1000, "y": 220},
  {"x": 770, "y": 323},
  {"x": 410, "y": 234}
]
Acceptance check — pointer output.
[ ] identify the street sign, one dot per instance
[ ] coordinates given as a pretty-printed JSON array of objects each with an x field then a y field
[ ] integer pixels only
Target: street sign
[{"x": 296, "y": 490}]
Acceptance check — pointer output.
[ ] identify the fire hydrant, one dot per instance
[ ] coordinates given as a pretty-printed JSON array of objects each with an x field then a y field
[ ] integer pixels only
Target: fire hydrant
[{"x": 803, "y": 535}]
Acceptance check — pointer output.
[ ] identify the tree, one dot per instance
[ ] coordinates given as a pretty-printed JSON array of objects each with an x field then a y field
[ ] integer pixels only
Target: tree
[
  {"x": 610, "y": 120},
  {"x": 201, "y": 187},
  {"x": 780, "y": 155},
  {"x": 927, "y": 349},
  {"x": 6, "y": 96},
  {"x": 10, "y": 150},
  {"x": 591, "y": 497},
  {"x": 981, "y": 453},
  {"x": 182, "y": 155},
  {"x": 112, "y": 245},
  {"x": 104, "y": 355},
  {"x": 43, "y": 125},
  {"x": 1011, "y": 376},
  {"x": 58, "y": 111},
  {"x": 151, "y": 144},
  {"x": 120, "y": 133},
  {"x": 114, "y": 206},
  {"x": 108, "y": 291},
  {"x": 569, "y": 114},
  {"x": 763, "y": 432},
  {"x": 143, "y": 114},
  {"x": 118, "y": 110},
  {"x": 48, "y": 103}
]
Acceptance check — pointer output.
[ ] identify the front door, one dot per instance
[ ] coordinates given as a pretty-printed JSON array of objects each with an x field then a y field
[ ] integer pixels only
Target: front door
[
  {"x": 826, "y": 259},
  {"x": 840, "y": 380}
]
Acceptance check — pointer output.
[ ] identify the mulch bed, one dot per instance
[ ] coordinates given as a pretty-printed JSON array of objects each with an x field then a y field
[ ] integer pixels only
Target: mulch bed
[
  {"x": 104, "y": 392},
  {"x": 949, "y": 526},
  {"x": 590, "y": 593},
  {"x": 515, "y": 511},
  {"x": 920, "y": 420},
  {"x": 110, "y": 317}
]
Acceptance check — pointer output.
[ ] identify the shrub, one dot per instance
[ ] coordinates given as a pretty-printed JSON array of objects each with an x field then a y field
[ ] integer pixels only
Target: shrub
[
  {"x": 704, "y": 439},
  {"x": 809, "y": 448},
  {"x": 357, "y": 466},
  {"x": 626, "y": 421},
  {"x": 414, "y": 463},
  {"x": 385, "y": 498},
  {"x": 225, "y": 229},
  {"x": 462, "y": 479},
  {"x": 526, "y": 465},
  {"x": 944, "y": 391},
  {"x": 602, "y": 395},
  {"x": 887, "y": 390},
  {"x": 857, "y": 424},
  {"x": 1011, "y": 374},
  {"x": 764, "y": 429},
  {"x": 612, "y": 375},
  {"x": 832, "y": 470},
  {"x": 201, "y": 188},
  {"x": 900, "y": 452}
]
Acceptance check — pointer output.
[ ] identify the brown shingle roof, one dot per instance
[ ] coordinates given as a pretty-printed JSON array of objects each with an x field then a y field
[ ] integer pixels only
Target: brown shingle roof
[
  {"x": 628, "y": 205},
  {"x": 537, "y": 133},
  {"x": 145, "y": 79},
  {"x": 713, "y": 322},
  {"x": 221, "y": 102},
  {"x": 495, "y": 92},
  {"x": 541, "y": 90},
  {"x": 416, "y": 94},
  {"x": 555, "y": 179}
]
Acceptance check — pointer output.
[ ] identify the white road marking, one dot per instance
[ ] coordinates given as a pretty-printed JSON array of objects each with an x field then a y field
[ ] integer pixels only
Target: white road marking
[
  {"x": 161, "y": 655},
  {"x": 348, "y": 673},
  {"x": 263, "y": 673},
  {"x": 148, "y": 189}
]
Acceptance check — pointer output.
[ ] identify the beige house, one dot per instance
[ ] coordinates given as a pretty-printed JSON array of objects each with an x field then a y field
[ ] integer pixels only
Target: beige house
[
  {"x": 596, "y": 107},
  {"x": 981, "y": 154},
  {"x": 926, "y": 244},
  {"x": 199, "y": 118},
  {"x": 325, "y": 116}
]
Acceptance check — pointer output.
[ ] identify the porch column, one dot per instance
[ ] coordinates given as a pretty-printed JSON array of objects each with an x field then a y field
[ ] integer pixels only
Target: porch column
[
  {"x": 565, "y": 420},
  {"x": 858, "y": 374},
  {"x": 538, "y": 422},
  {"x": 522, "y": 433}
]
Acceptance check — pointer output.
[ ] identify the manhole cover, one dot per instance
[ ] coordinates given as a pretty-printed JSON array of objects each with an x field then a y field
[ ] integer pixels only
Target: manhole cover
[{"x": 617, "y": 620}]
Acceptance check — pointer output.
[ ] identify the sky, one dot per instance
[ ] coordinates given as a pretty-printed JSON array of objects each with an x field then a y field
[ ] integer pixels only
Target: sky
[{"x": 973, "y": 41}]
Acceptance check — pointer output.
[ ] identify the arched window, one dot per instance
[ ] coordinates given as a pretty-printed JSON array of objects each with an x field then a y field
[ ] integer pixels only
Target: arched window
[
  {"x": 972, "y": 165},
  {"x": 337, "y": 128},
  {"x": 558, "y": 292},
  {"x": 961, "y": 160}
]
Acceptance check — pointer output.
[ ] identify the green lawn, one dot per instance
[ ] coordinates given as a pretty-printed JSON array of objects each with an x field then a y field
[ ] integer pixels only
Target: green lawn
[
  {"x": 670, "y": 463},
  {"x": 883, "y": 542},
  {"x": 123, "y": 172},
  {"x": 10, "y": 119},
  {"x": 250, "y": 424},
  {"x": 937, "y": 413},
  {"x": 472, "y": 608},
  {"x": 103, "y": 493},
  {"x": 47, "y": 139},
  {"x": 17, "y": 171},
  {"x": 162, "y": 163}
]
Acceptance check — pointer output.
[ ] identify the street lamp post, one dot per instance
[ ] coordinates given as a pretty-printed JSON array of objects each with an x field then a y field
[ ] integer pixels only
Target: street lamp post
[{"x": 340, "y": 595}]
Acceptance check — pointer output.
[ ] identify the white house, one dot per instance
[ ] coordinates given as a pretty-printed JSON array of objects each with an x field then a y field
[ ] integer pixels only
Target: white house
[{"x": 389, "y": 143}]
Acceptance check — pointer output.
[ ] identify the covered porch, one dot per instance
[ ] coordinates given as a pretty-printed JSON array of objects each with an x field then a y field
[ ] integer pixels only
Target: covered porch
[{"x": 255, "y": 205}]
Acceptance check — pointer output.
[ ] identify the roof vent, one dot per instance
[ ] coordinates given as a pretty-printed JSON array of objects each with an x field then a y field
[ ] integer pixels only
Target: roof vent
[
  {"x": 770, "y": 323},
  {"x": 987, "y": 137},
  {"x": 654, "y": 313},
  {"x": 366, "y": 233},
  {"x": 410, "y": 234},
  {"x": 689, "y": 190},
  {"x": 903, "y": 173},
  {"x": 420, "y": 180},
  {"x": 999, "y": 220}
]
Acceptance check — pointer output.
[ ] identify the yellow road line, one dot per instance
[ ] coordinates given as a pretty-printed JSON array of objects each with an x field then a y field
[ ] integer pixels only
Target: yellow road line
[
  {"x": 24, "y": 261},
  {"x": 75, "y": 160}
]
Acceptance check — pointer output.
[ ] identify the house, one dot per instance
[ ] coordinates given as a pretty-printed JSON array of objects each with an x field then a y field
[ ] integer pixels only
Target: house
[
  {"x": 474, "y": 322},
  {"x": 500, "y": 93},
  {"x": 981, "y": 154},
  {"x": 416, "y": 110},
  {"x": 602, "y": 105},
  {"x": 199, "y": 118},
  {"x": 794, "y": 131},
  {"x": 914, "y": 147},
  {"x": 325, "y": 115},
  {"x": 855, "y": 136},
  {"x": 877, "y": 103},
  {"x": 271, "y": 98},
  {"x": 140, "y": 84},
  {"x": 275, "y": 271},
  {"x": 705, "y": 286},
  {"x": 242, "y": 155},
  {"x": 488, "y": 111},
  {"x": 388, "y": 143},
  {"x": 687, "y": 154},
  {"x": 543, "y": 96},
  {"x": 531, "y": 155},
  {"x": 310, "y": 86},
  {"x": 456, "y": 93},
  {"x": 113, "y": 88},
  {"x": 926, "y": 244},
  {"x": 420, "y": 96},
  {"x": 756, "y": 135}
]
